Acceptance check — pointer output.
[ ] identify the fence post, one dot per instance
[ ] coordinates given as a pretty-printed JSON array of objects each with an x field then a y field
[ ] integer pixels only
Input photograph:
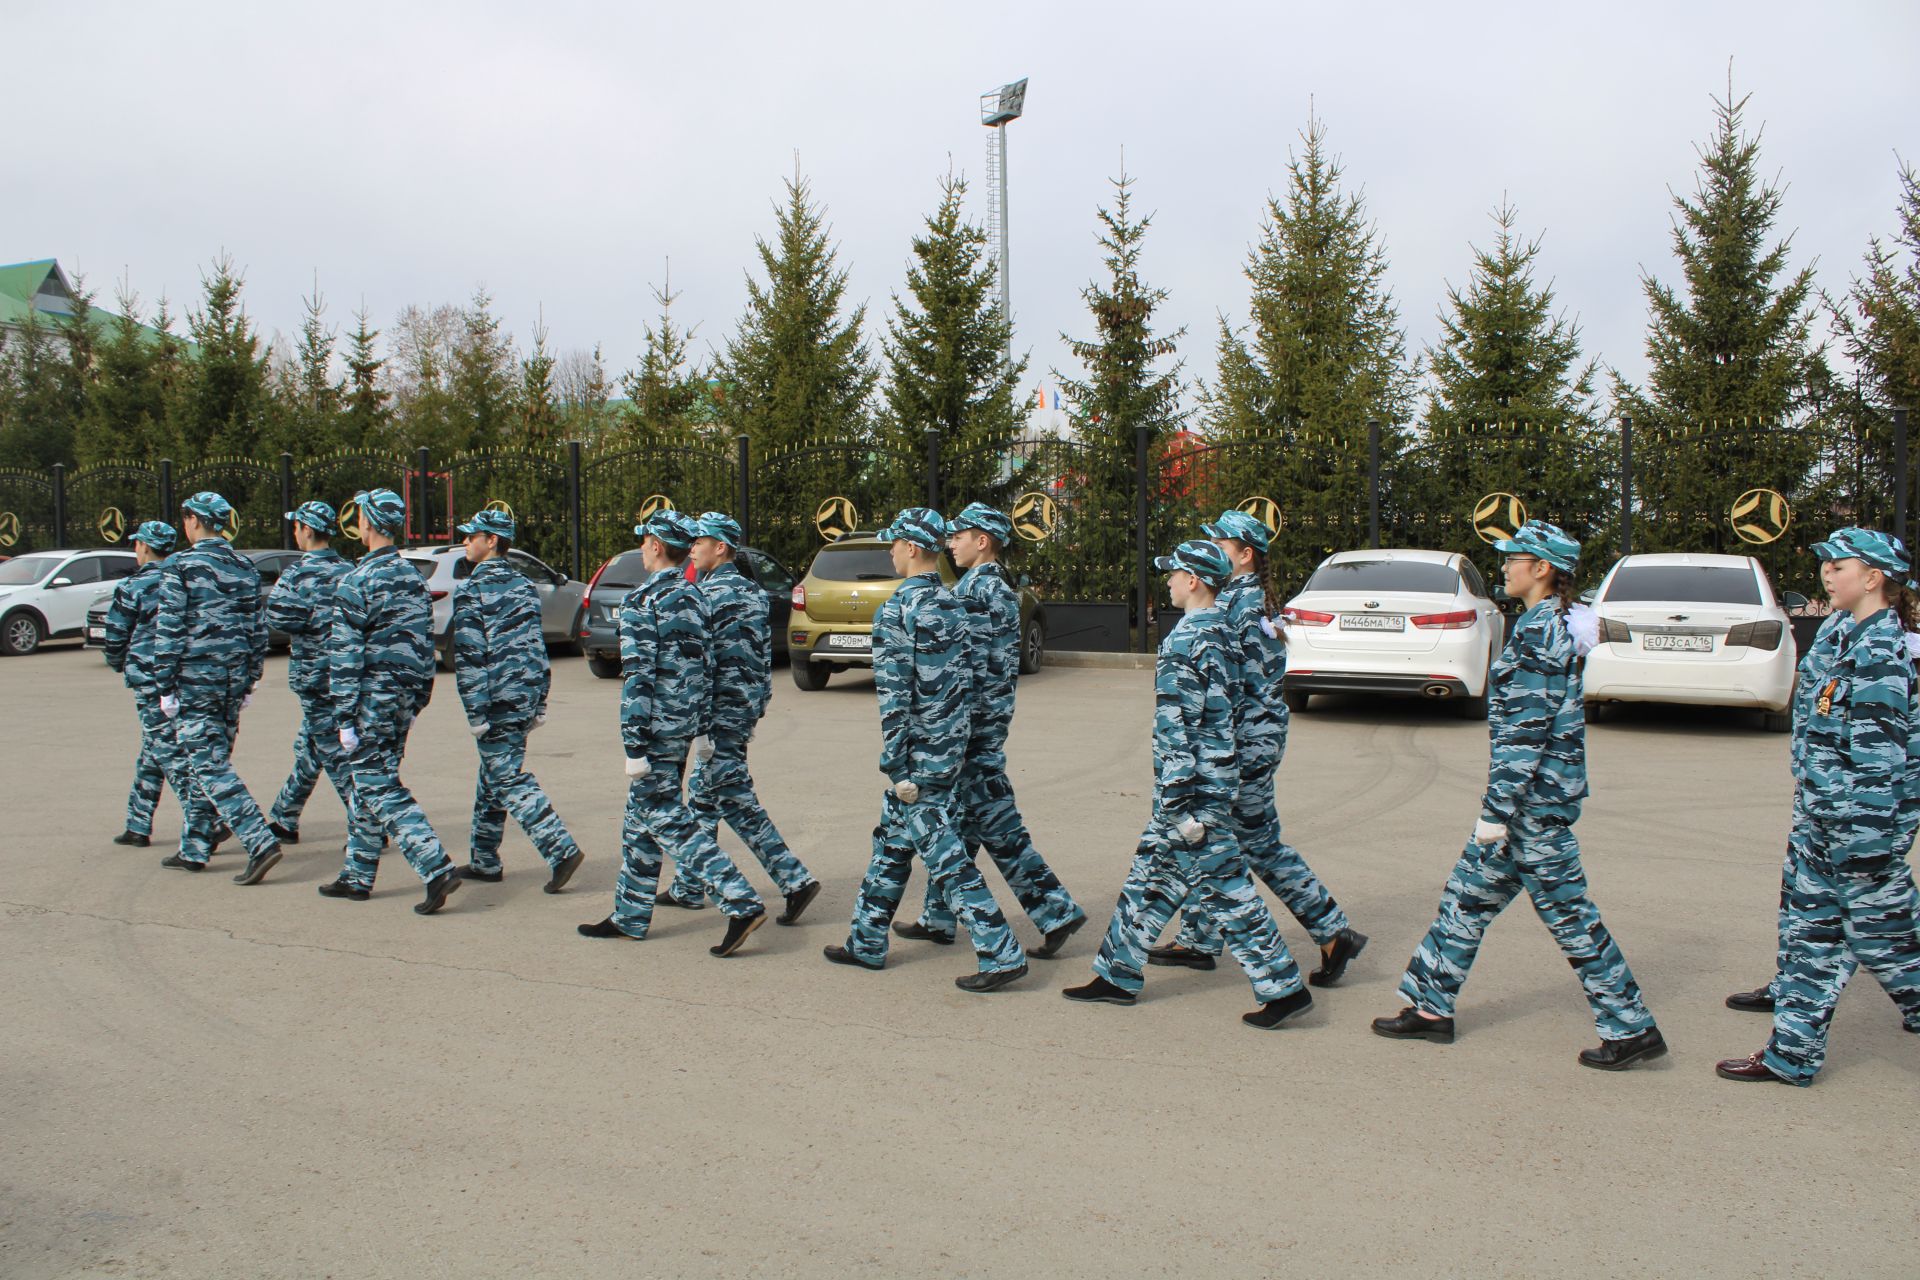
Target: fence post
[
  {"x": 576, "y": 514},
  {"x": 167, "y": 511},
  {"x": 933, "y": 468},
  {"x": 1142, "y": 553},
  {"x": 1901, "y": 461},
  {"x": 420, "y": 463},
  {"x": 1373, "y": 483},
  {"x": 744, "y": 486},
  {"x": 1626, "y": 486},
  {"x": 59, "y": 504},
  {"x": 286, "y": 501}
]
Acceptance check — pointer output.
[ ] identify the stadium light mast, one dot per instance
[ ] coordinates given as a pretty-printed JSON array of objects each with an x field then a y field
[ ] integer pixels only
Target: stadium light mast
[{"x": 998, "y": 109}]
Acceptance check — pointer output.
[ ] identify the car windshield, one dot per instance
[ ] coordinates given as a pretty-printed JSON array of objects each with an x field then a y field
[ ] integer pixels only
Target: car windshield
[
  {"x": 22, "y": 571},
  {"x": 1697, "y": 583},
  {"x": 625, "y": 570},
  {"x": 1385, "y": 575},
  {"x": 854, "y": 564}
]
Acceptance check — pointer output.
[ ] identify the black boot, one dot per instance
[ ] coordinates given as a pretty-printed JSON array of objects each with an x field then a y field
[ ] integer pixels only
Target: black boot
[
  {"x": 1408, "y": 1024},
  {"x": 564, "y": 872},
  {"x": 1100, "y": 991},
  {"x": 259, "y": 864},
  {"x": 920, "y": 933},
  {"x": 602, "y": 929},
  {"x": 439, "y": 889},
  {"x": 1274, "y": 1012},
  {"x": 341, "y": 889},
  {"x": 1618, "y": 1055},
  {"x": 991, "y": 980},
  {"x": 666, "y": 898},
  {"x": 221, "y": 834},
  {"x": 798, "y": 901},
  {"x": 840, "y": 955},
  {"x": 1335, "y": 958},
  {"x": 1759, "y": 1000},
  {"x": 285, "y": 835},
  {"x": 738, "y": 927},
  {"x": 1179, "y": 957},
  {"x": 471, "y": 872},
  {"x": 1049, "y": 947},
  {"x": 133, "y": 839},
  {"x": 180, "y": 863}
]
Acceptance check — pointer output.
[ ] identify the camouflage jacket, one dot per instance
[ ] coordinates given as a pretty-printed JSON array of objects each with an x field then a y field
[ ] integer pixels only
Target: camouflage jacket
[
  {"x": 129, "y": 639},
  {"x": 301, "y": 604},
  {"x": 1814, "y": 665},
  {"x": 921, "y": 676},
  {"x": 993, "y": 651},
  {"x": 1537, "y": 722},
  {"x": 1259, "y": 710},
  {"x": 499, "y": 652},
  {"x": 1857, "y": 772},
  {"x": 1195, "y": 772},
  {"x": 664, "y": 686},
  {"x": 740, "y": 646},
  {"x": 380, "y": 670},
  {"x": 209, "y": 631}
]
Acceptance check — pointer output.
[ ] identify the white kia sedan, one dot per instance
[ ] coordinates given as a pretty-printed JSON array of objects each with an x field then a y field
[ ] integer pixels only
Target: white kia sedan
[
  {"x": 1703, "y": 629},
  {"x": 1393, "y": 621}
]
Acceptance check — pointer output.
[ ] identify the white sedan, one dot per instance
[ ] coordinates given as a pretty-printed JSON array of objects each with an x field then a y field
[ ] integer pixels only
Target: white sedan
[
  {"x": 1701, "y": 629},
  {"x": 1393, "y": 621}
]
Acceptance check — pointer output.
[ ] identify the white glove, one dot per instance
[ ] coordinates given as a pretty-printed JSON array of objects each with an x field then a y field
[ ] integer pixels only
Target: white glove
[
  {"x": 1485, "y": 832},
  {"x": 638, "y": 766},
  {"x": 1583, "y": 625},
  {"x": 1191, "y": 831},
  {"x": 349, "y": 740},
  {"x": 703, "y": 747},
  {"x": 540, "y": 720},
  {"x": 169, "y": 706},
  {"x": 908, "y": 791},
  {"x": 247, "y": 701},
  {"x": 478, "y": 728}
]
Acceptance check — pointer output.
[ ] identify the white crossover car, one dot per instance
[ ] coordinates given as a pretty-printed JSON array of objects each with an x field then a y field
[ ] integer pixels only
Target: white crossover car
[
  {"x": 1702, "y": 629},
  {"x": 44, "y": 594},
  {"x": 1393, "y": 621}
]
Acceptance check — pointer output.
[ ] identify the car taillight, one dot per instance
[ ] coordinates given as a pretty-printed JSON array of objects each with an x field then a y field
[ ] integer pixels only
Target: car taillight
[
  {"x": 1754, "y": 635},
  {"x": 800, "y": 596},
  {"x": 1306, "y": 618},
  {"x": 586, "y": 601},
  {"x": 437, "y": 595},
  {"x": 1612, "y": 632},
  {"x": 1455, "y": 621}
]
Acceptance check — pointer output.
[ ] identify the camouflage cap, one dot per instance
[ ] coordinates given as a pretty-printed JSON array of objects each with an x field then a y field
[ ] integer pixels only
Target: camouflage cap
[
  {"x": 317, "y": 516},
  {"x": 1882, "y": 551},
  {"x": 157, "y": 534},
  {"x": 720, "y": 526},
  {"x": 1241, "y": 527},
  {"x": 384, "y": 509},
  {"x": 978, "y": 515},
  {"x": 675, "y": 528},
  {"x": 922, "y": 526},
  {"x": 490, "y": 520},
  {"x": 211, "y": 507},
  {"x": 1201, "y": 558},
  {"x": 1543, "y": 541}
]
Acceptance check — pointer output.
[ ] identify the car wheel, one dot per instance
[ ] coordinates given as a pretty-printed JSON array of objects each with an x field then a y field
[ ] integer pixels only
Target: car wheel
[
  {"x": 1597, "y": 712},
  {"x": 443, "y": 656},
  {"x": 1033, "y": 649},
  {"x": 20, "y": 634},
  {"x": 1777, "y": 721},
  {"x": 1297, "y": 699},
  {"x": 809, "y": 675},
  {"x": 605, "y": 668},
  {"x": 1470, "y": 708}
]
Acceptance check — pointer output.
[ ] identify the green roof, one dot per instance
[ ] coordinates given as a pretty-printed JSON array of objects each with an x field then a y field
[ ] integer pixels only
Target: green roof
[{"x": 40, "y": 288}]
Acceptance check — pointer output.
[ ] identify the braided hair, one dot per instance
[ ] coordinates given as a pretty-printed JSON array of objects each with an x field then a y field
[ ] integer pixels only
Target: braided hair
[
  {"x": 1563, "y": 589},
  {"x": 1904, "y": 603}
]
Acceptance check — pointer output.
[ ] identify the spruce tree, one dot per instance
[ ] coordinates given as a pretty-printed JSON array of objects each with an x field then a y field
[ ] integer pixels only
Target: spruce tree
[
  {"x": 665, "y": 393},
  {"x": 307, "y": 399},
  {"x": 482, "y": 378},
  {"x": 126, "y": 413},
  {"x": 224, "y": 388},
  {"x": 36, "y": 430},
  {"x": 1878, "y": 321},
  {"x": 539, "y": 407},
  {"x": 364, "y": 422}
]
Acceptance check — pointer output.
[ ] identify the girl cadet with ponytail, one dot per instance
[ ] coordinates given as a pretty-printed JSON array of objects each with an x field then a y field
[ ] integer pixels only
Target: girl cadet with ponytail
[
  {"x": 1260, "y": 740},
  {"x": 1524, "y": 837},
  {"x": 1849, "y": 897}
]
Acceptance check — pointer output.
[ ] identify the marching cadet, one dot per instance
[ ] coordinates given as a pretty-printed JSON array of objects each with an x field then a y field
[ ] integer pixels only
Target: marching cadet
[
  {"x": 129, "y": 651},
  {"x": 1260, "y": 740},
  {"x": 1856, "y": 804},
  {"x": 209, "y": 649},
  {"x": 500, "y": 668},
  {"x": 921, "y": 677},
  {"x": 380, "y": 678},
  {"x": 664, "y": 705},
  {"x": 976, "y": 539},
  {"x": 301, "y": 605},
  {"x": 740, "y": 650},
  {"x": 1523, "y": 840},
  {"x": 1188, "y": 849}
]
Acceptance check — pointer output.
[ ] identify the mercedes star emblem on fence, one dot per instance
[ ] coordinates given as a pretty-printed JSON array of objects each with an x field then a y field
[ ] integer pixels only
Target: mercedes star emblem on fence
[{"x": 1498, "y": 516}]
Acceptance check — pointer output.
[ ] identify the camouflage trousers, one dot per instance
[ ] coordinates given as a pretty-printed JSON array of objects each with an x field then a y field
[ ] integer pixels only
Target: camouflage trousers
[
  {"x": 990, "y": 819},
  {"x": 505, "y": 787},
  {"x": 160, "y": 762},
  {"x": 1279, "y": 866},
  {"x": 205, "y": 738},
  {"x": 928, "y": 829},
  {"x": 1838, "y": 911},
  {"x": 721, "y": 787},
  {"x": 1543, "y": 860},
  {"x": 657, "y": 819},
  {"x": 383, "y": 808},
  {"x": 316, "y": 750}
]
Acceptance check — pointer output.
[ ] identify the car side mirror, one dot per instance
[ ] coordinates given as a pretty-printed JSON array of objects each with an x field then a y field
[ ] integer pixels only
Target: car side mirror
[
  {"x": 1793, "y": 600},
  {"x": 62, "y": 581}
]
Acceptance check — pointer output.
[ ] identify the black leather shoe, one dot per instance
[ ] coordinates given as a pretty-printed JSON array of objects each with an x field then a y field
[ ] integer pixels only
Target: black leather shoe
[
  {"x": 1759, "y": 1000},
  {"x": 1408, "y": 1024},
  {"x": 798, "y": 901},
  {"x": 918, "y": 932},
  {"x": 1100, "y": 991},
  {"x": 285, "y": 835},
  {"x": 439, "y": 889},
  {"x": 259, "y": 864},
  {"x": 1747, "y": 1070},
  {"x": 1334, "y": 959},
  {"x": 738, "y": 927},
  {"x": 564, "y": 872},
  {"x": 341, "y": 889},
  {"x": 840, "y": 955},
  {"x": 181, "y": 864},
  {"x": 132, "y": 839},
  {"x": 1618, "y": 1055},
  {"x": 602, "y": 929},
  {"x": 1178, "y": 957},
  {"x": 221, "y": 835},
  {"x": 1270, "y": 1015},
  {"x": 666, "y": 898},
  {"x": 487, "y": 877},
  {"x": 1049, "y": 948},
  {"x": 992, "y": 980}
]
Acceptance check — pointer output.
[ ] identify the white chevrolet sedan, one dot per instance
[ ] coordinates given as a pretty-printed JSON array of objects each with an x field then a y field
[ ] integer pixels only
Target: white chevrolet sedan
[
  {"x": 1393, "y": 621},
  {"x": 1703, "y": 629}
]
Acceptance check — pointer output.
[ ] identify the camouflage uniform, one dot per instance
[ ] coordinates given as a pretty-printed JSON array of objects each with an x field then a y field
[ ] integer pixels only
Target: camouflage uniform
[
  {"x": 380, "y": 677},
  {"x": 664, "y": 705},
  {"x": 1537, "y": 722},
  {"x": 301, "y": 605},
  {"x": 500, "y": 669},
  {"x": 921, "y": 678},
  {"x": 1196, "y": 779},
  {"x": 209, "y": 649},
  {"x": 129, "y": 651}
]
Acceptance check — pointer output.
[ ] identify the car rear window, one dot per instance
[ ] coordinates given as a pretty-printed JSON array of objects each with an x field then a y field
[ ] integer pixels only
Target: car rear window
[
  {"x": 625, "y": 570},
  {"x": 854, "y": 564},
  {"x": 422, "y": 565},
  {"x": 1699, "y": 583},
  {"x": 1385, "y": 575}
]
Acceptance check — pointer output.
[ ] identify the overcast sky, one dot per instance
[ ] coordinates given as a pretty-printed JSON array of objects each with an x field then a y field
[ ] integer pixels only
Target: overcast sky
[{"x": 559, "y": 154}]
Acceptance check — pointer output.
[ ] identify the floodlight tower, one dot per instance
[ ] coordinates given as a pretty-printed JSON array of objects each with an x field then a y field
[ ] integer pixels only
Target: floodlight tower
[{"x": 999, "y": 109}]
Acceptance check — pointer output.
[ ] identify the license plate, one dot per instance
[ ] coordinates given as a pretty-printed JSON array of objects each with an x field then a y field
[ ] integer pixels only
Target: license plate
[
  {"x": 862, "y": 643},
  {"x": 1373, "y": 622},
  {"x": 96, "y": 633},
  {"x": 1678, "y": 644}
]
